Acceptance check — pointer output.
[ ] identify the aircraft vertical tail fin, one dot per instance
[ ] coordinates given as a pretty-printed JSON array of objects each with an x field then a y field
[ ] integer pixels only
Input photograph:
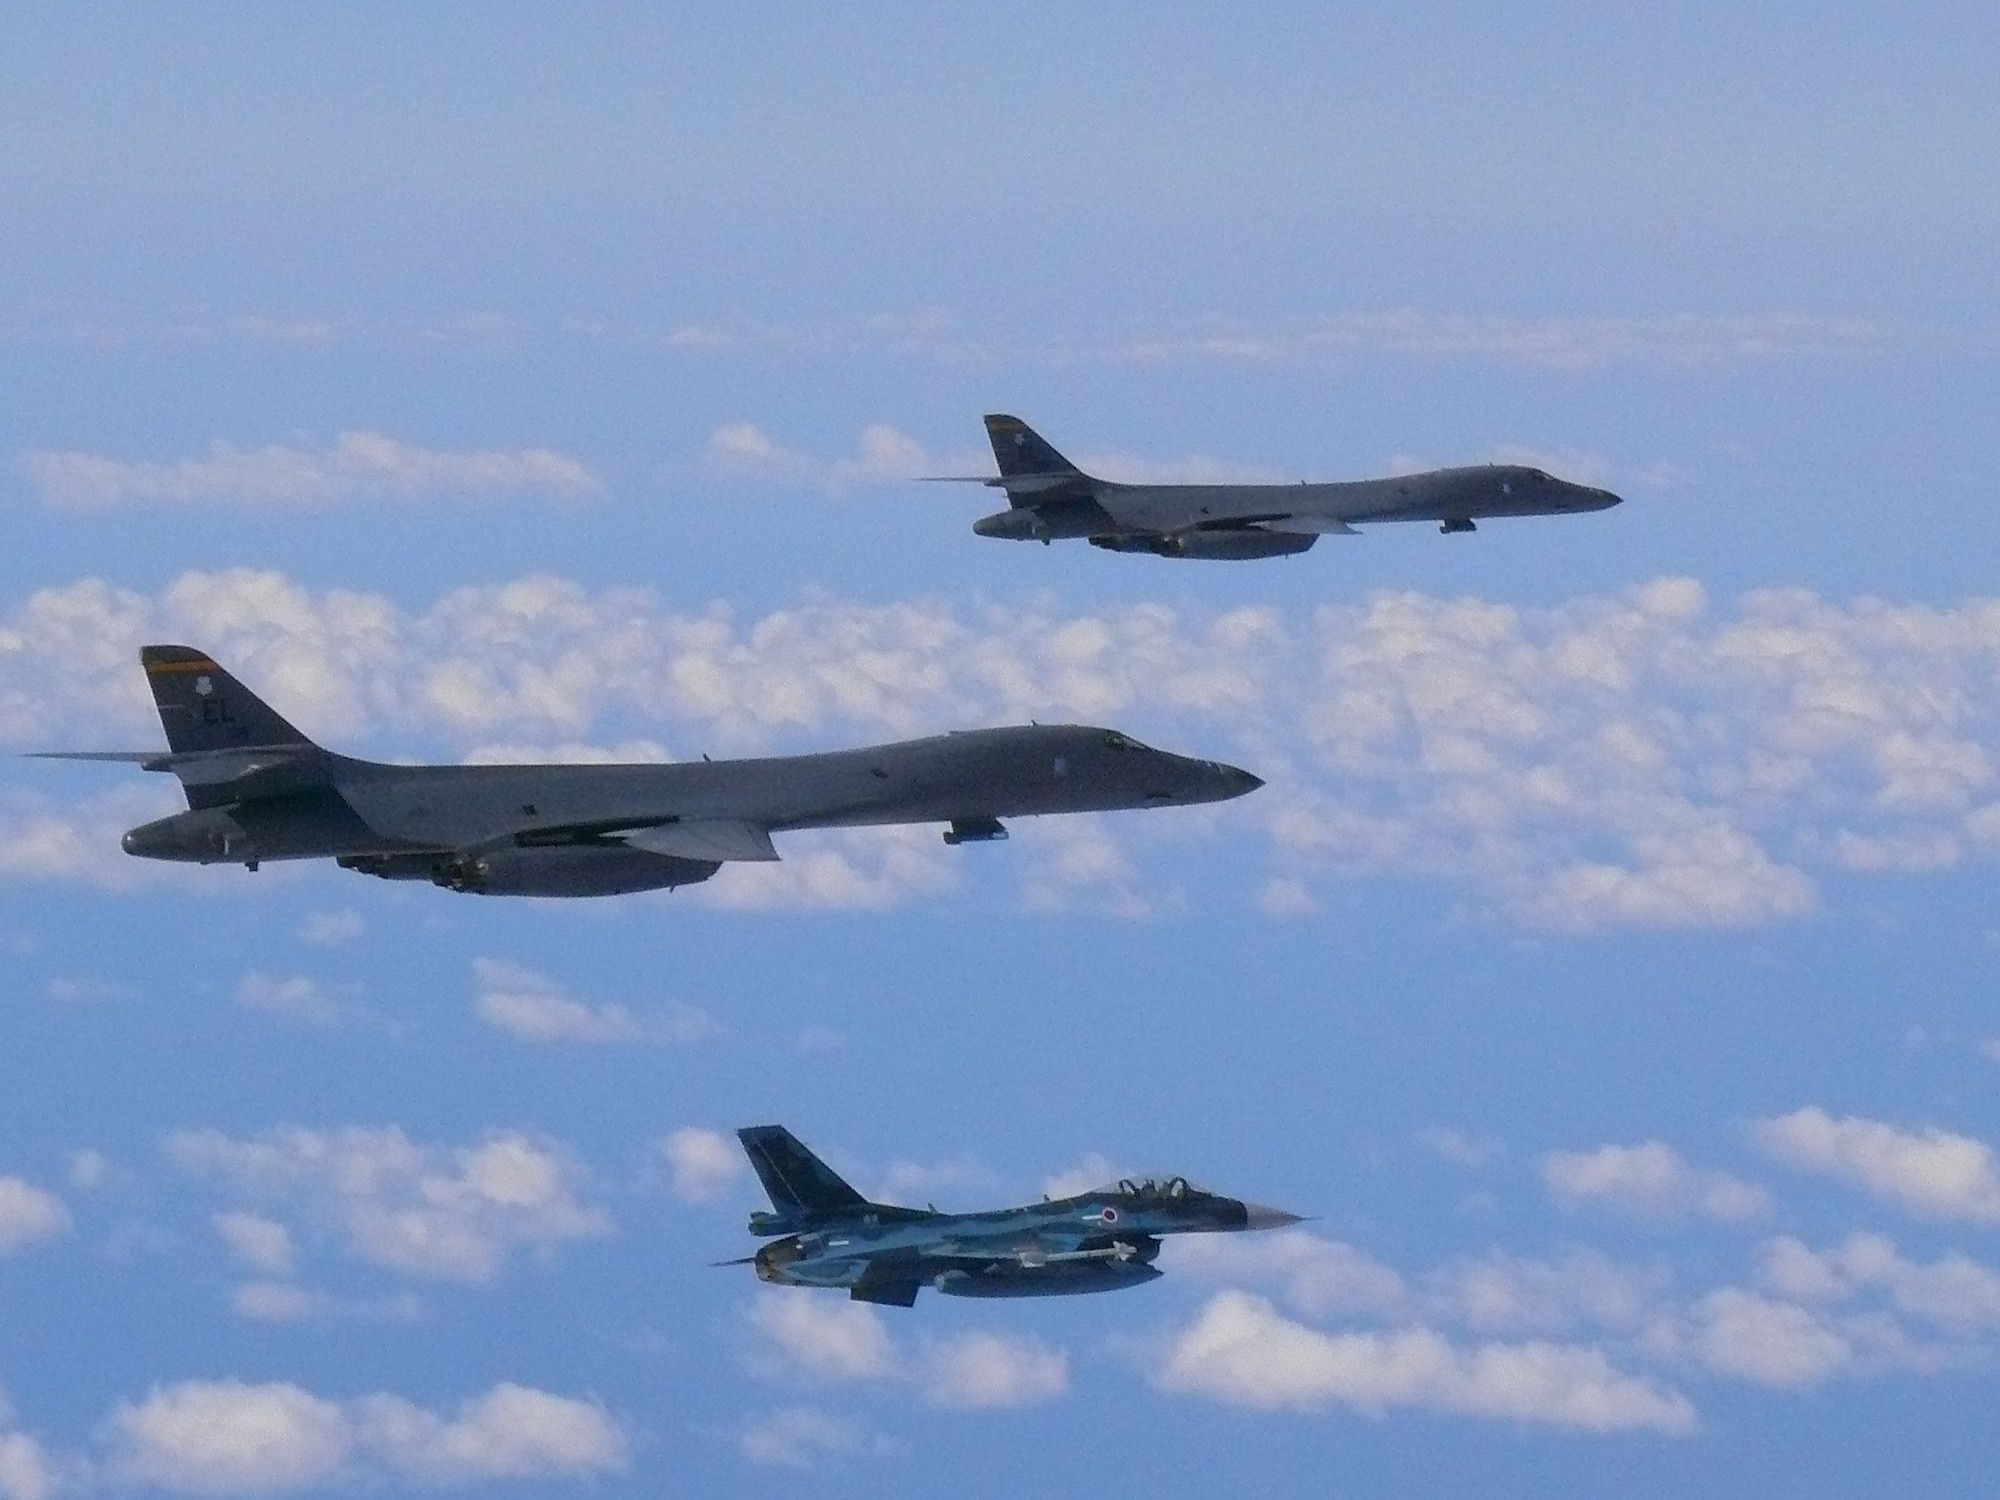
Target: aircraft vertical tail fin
[
  {"x": 798, "y": 1182},
  {"x": 1021, "y": 451},
  {"x": 203, "y": 708}
]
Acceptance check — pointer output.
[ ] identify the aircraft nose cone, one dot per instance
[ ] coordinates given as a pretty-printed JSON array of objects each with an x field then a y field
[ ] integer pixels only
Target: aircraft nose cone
[
  {"x": 1257, "y": 1216},
  {"x": 130, "y": 843},
  {"x": 1605, "y": 500},
  {"x": 1237, "y": 781}
]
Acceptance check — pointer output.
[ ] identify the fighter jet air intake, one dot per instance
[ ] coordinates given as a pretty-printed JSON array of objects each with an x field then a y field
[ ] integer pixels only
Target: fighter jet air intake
[
  {"x": 1050, "y": 498},
  {"x": 1098, "y": 1241},
  {"x": 258, "y": 789}
]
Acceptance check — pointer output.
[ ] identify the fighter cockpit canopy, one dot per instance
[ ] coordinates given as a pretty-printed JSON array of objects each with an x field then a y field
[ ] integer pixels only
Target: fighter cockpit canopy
[
  {"x": 1171, "y": 1189},
  {"x": 1113, "y": 740}
]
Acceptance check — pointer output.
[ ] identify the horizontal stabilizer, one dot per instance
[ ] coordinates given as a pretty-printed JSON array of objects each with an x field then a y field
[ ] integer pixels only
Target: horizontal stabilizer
[
  {"x": 196, "y": 768},
  {"x": 706, "y": 838},
  {"x": 151, "y": 760}
]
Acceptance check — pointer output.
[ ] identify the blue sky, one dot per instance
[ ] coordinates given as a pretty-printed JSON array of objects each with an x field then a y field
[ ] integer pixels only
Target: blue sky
[{"x": 1608, "y": 964}]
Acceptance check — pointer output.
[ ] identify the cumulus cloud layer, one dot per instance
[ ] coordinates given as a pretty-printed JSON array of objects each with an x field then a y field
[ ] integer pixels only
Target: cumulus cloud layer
[
  {"x": 1931, "y": 1172},
  {"x": 701, "y": 1163},
  {"x": 1646, "y": 759},
  {"x": 360, "y": 465},
  {"x": 28, "y": 1214},
  {"x": 534, "y": 1008},
  {"x": 231, "y": 1438},
  {"x": 447, "y": 1213},
  {"x": 818, "y": 1339},
  {"x": 1241, "y": 1350},
  {"x": 1651, "y": 1180}
]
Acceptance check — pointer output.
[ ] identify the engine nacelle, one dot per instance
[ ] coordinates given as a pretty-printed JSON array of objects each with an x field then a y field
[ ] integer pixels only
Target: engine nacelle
[
  {"x": 1240, "y": 543},
  {"x": 553, "y": 870}
]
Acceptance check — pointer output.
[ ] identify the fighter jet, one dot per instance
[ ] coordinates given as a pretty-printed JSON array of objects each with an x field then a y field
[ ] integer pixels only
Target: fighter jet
[
  {"x": 1050, "y": 498},
  {"x": 1095, "y": 1242},
  {"x": 258, "y": 789}
]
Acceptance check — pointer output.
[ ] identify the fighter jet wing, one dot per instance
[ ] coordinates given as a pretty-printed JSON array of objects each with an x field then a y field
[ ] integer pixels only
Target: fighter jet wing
[
  {"x": 706, "y": 838},
  {"x": 1305, "y": 525}
]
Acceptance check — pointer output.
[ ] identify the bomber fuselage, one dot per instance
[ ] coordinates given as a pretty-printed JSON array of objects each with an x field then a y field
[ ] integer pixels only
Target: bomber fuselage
[{"x": 319, "y": 804}]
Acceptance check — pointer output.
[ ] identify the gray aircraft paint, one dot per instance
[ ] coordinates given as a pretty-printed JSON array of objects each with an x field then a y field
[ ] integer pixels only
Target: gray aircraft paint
[
  {"x": 1051, "y": 499},
  {"x": 258, "y": 789},
  {"x": 1100, "y": 1241}
]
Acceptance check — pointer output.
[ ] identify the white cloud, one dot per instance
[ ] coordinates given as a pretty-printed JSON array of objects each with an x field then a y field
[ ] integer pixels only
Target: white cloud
[
  {"x": 1934, "y": 1172},
  {"x": 1241, "y": 1351},
  {"x": 860, "y": 869},
  {"x": 1094, "y": 1171},
  {"x": 804, "y": 1438},
  {"x": 1316, "y": 1276},
  {"x": 287, "y": 1302},
  {"x": 1650, "y": 1180},
  {"x": 1584, "y": 1290},
  {"x": 28, "y": 1215},
  {"x": 1458, "y": 1147},
  {"x": 821, "y": 1338},
  {"x": 982, "y": 1370},
  {"x": 76, "y": 841},
  {"x": 27, "y": 1470},
  {"x": 1767, "y": 1342},
  {"x": 1720, "y": 341},
  {"x": 703, "y": 1162},
  {"x": 828, "y": 1340},
  {"x": 233, "y": 1438},
  {"x": 509, "y": 1432},
  {"x": 534, "y": 1008},
  {"x": 1649, "y": 758},
  {"x": 1955, "y": 1292},
  {"x": 360, "y": 465},
  {"x": 329, "y": 929},
  {"x": 229, "y": 1438},
  {"x": 920, "y": 1182},
  {"x": 741, "y": 450},
  {"x": 70, "y": 991},
  {"x": 259, "y": 1243},
  {"x": 299, "y": 998},
  {"x": 450, "y": 1213}
]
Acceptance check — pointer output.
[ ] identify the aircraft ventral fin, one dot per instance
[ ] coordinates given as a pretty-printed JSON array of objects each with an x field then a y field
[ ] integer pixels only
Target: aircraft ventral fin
[{"x": 706, "y": 838}]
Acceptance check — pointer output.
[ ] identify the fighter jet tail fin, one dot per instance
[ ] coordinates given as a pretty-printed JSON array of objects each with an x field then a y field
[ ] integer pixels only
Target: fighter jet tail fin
[
  {"x": 204, "y": 709},
  {"x": 799, "y": 1183},
  {"x": 1029, "y": 466}
]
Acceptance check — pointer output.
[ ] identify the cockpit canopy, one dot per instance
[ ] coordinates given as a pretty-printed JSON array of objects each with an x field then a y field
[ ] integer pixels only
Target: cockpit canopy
[
  {"x": 1113, "y": 740},
  {"x": 1154, "y": 1189}
]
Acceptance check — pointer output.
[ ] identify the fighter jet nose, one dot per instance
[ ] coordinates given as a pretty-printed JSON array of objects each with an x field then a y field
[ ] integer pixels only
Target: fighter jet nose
[
  {"x": 1605, "y": 499},
  {"x": 1257, "y": 1216},
  {"x": 1239, "y": 781},
  {"x": 130, "y": 843}
]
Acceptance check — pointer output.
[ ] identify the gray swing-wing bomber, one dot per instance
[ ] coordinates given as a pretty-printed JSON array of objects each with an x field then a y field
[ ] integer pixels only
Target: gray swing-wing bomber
[
  {"x": 825, "y": 1234},
  {"x": 258, "y": 789},
  {"x": 1050, "y": 498}
]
